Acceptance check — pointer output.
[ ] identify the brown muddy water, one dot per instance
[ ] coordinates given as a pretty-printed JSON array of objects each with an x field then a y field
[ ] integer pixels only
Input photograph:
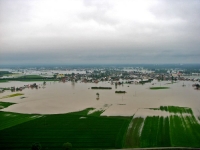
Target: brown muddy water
[{"x": 58, "y": 97}]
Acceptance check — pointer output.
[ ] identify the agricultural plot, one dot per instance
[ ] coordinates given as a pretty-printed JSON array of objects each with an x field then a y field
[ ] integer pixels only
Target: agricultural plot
[
  {"x": 5, "y": 104},
  {"x": 179, "y": 129},
  {"x": 155, "y": 132},
  {"x": 184, "y": 128},
  {"x": 8, "y": 119},
  {"x": 78, "y": 128},
  {"x": 133, "y": 133}
]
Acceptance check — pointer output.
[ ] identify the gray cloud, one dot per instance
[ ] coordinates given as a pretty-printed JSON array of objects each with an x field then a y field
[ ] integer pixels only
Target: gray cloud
[{"x": 92, "y": 31}]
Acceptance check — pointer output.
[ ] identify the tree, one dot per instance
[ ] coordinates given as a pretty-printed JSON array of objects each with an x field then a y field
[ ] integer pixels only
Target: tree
[
  {"x": 67, "y": 146},
  {"x": 36, "y": 146}
]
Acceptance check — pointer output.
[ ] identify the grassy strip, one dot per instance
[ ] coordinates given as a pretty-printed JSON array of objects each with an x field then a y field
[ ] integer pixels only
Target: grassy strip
[
  {"x": 5, "y": 104},
  {"x": 119, "y": 142},
  {"x": 185, "y": 131},
  {"x": 12, "y": 95},
  {"x": 163, "y": 137},
  {"x": 31, "y": 76},
  {"x": 133, "y": 134},
  {"x": 180, "y": 110},
  {"x": 54, "y": 130},
  {"x": 184, "y": 128},
  {"x": 158, "y": 88},
  {"x": 9, "y": 119},
  {"x": 155, "y": 132},
  {"x": 3, "y": 81},
  {"x": 149, "y": 132},
  {"x": 164, "y": 108},
  {"x": 120, "y": 92}
]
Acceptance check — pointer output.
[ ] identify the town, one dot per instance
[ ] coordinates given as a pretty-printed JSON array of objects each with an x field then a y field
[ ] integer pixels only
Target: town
[{"x": 113, "y": 75}]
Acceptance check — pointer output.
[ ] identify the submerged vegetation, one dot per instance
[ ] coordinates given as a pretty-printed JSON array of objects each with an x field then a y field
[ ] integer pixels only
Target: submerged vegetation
[
  {"x": 29, "y": 78},
  {"x": 120, "y": 91},
  {"x": 106, "y": 88},
  {"x": 12, "y": 95},
  {"x": 158, "y": 88}
]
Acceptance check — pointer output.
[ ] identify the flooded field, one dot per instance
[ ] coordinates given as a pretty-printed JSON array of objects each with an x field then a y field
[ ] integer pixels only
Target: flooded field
[{"x": 58, "y": 97}]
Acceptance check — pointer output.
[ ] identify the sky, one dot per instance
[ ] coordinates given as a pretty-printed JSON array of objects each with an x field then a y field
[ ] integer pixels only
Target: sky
[{"x": 99, "y": 31}]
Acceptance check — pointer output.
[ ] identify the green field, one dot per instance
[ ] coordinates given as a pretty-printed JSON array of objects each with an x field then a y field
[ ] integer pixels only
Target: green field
[
  {"x": 5, "y": 104},
  {"x": 179, "y": 129},
  {"x": 28, "y": 78},
  {"x": 3, "y": 80},
  {"x": 31, "y": 76},
  {"x": 80, "y": 129},
  {"x": 155, "y": 132},
  {"x": 9, "y": 119},
  {"x": 133, "y": 133},
  {"x": 184, "y": 127}
]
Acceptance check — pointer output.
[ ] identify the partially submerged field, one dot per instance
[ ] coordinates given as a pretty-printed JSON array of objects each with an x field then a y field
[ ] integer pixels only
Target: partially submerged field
[
  {"x": 70, "y": 112},
  {"x": 78, "y": 128},
  {"x": 90, "y": 130},
  {"x": 178, "y": 129}
]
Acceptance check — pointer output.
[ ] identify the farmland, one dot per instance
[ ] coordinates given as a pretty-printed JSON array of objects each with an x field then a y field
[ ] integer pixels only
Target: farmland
[
  {"x": 28, "y": 78},
  {"x": 5, "y": 104},
  {"x": 71, "y": 112},
  {"x": 83, "y": 131},
  {"x": 179, "y": 129}
]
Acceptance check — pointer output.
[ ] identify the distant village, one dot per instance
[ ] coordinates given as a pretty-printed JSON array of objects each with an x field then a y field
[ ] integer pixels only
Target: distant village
[
  {"x": 120, "y": 76},
  {"x": 113, "y": 76}
]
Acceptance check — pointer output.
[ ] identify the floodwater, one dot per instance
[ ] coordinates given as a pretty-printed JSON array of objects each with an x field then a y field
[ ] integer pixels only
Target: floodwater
[
  {"x": 44, "y": 73},
  {"x": 58, "y": 97}
]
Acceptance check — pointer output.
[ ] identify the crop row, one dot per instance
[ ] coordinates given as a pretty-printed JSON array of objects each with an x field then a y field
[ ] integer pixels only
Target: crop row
[
  {"x": 133, "y": 133},
  {"x": 180, "y": 110},
  {"x": 185, "y": 131}
]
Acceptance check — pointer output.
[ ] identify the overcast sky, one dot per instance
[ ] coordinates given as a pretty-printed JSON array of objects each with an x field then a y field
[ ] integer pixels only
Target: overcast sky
[{"x": 99, "y": 31}]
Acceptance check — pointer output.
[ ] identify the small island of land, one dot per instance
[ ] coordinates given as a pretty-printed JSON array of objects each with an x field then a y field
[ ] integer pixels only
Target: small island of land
[
  {"x": 120, "y": 91},
  {"x": 158, "y": 88},
  {"x": 107, "y": 88}
]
